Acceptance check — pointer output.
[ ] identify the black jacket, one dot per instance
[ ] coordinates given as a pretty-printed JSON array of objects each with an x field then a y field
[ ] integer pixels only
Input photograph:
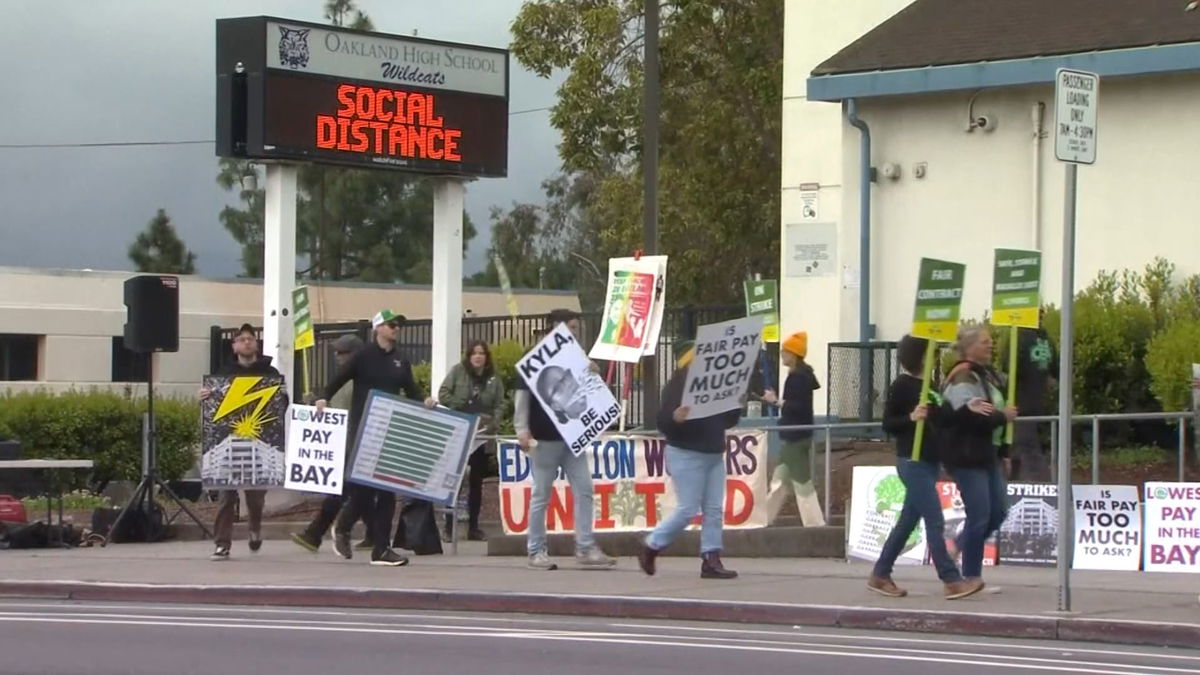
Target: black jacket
[
  {"x": 902, "y": 397},
  {"x": 706, "y": 434},
  {"x": 262, "y": 366},
  {"x": 968, "y": 439},
  {"x": 797, "y": 405},
  {"x": 373, "y": 368}
]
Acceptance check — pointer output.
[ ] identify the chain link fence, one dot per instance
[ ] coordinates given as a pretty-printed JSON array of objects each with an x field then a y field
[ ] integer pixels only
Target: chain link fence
[{"x": 858, "y": 379}]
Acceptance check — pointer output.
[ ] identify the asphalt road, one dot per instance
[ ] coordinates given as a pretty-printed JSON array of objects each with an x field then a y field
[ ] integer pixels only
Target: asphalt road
[{"x": 65, "y": 638}]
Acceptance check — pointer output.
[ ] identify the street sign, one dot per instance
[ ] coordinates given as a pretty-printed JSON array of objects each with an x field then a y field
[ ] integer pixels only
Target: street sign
[{"x": 1076, "y": 101}]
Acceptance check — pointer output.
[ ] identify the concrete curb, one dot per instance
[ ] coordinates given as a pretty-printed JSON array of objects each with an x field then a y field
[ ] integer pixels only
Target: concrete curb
[{"x": 625, "y": 607}]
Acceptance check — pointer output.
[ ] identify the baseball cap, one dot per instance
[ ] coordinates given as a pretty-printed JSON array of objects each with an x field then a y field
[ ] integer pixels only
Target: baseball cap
[
  {"x": 386, "y": 316},
  {"x": 246, "y": 328}
]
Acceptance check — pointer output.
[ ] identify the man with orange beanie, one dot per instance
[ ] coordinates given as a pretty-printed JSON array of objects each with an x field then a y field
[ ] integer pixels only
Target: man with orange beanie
[{"x": 794, "y": 473}]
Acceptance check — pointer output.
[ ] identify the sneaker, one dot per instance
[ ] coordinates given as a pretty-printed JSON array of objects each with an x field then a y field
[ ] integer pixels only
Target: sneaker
[
  {"x": 647, "y": 558},
  {"x": 476, "y": 534},
  {"x": 389, "y": 558},
  {"x": 255, "y": 542},
  {"x": 886, "y": 587},
  {"x": 957, "y": 590},
  {"x": 711, "y": 567},
  {"x": 222, "y": 553},
  {"x": 541, "y": 561},
  {"x": 301, "y": 539},
  {"x": 341, "y": 545},
  {"x": 365, "y": 545},
  {"x": 594, "y": 558}
]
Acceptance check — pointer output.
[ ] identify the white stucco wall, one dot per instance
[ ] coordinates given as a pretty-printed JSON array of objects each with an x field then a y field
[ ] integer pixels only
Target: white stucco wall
[{"x": 813, "y": 141}]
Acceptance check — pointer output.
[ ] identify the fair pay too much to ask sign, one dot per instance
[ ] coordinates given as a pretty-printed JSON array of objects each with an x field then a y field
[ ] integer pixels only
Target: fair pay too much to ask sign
[
  {"x": 726, "y": 354},
  {"x": 315, "y": 459}
]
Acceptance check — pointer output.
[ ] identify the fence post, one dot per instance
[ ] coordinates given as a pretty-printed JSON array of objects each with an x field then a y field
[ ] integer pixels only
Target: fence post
[
  {"x": 1182, "y": 443},
  {"x": 1054, "y": 452},
  {"x": 1095, "y": 450},
  {"x": 828, "y": 471}
]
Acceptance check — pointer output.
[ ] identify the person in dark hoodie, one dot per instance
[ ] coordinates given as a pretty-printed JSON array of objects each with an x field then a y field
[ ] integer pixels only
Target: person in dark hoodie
[
  {"x": 696, "y": 461},
  {"x": 794, "y": 473},
  {"x": 247, "y": 362},
  {"x": 972, "y": 443},
  {"x": 902, "y": 410},
  {"x": 378, "y": 365}
]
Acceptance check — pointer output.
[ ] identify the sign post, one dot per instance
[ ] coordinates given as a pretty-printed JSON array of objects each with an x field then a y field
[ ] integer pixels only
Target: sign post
[
  {"x": 935, "y": 318},
  {"x": 1076, "y": 101}
]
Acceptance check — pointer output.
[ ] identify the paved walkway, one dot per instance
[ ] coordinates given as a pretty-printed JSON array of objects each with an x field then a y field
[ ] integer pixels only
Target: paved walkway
[{"x": 809, "y": 587}]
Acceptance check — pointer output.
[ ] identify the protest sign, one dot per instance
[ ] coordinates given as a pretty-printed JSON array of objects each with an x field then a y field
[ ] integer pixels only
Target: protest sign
[
  {"x": 876, "y": 499},
  {"x": 955, "y": 515},
  {"x": 1029, "y": 535},
  {"x": 762, "y": 299},
  {"x": 633, "y": 309},
  {"x": 1108, "y": 527},
  {"x": 939, "y": 298},
  {"x": 726, "y": 355},
  {"x": 241, "y": 432},
  {"x": 559, "y": 374},
  {"x": 302, "y": 318},
  {"x": 1172, "y": 532},
  {"x": 404, "y": 447},
  {"x": 1016, "y": 288},
  {"x": 633, "y": 491},
  {"x": 316, "y": 449}
]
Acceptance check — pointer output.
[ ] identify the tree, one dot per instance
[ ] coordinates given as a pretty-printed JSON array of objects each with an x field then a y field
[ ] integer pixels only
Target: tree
[
  {"x": 159, "y": 250},
  {"x": 721, "y": 85},
  {"x": 350, "y": 224}
]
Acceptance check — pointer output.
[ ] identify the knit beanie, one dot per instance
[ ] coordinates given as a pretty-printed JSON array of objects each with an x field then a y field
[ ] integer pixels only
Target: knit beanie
[{"x": 797, "y": 343}]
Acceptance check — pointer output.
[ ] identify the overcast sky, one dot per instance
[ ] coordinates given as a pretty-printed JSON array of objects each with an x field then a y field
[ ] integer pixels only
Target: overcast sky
[{"x": 97, "y": 71}]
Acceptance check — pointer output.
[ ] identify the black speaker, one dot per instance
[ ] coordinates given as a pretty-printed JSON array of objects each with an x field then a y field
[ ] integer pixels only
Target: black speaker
[{"x": 152, "y": 319}]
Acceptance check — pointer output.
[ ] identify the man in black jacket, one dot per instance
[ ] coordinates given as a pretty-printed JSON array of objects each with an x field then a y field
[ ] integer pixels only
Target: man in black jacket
[
  {"x": 247, "y": 362},
  {"x": 378, "y": 365},
  {"x": 1037, "y": 363}
]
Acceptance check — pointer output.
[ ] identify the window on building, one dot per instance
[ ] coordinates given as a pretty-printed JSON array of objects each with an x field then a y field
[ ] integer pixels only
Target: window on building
[
  {"x": 19, "y": 357},
  {"x": 128, "y": 366}
]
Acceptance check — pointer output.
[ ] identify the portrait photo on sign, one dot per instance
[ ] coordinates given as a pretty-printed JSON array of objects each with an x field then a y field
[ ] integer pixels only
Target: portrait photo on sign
[
  {"x": 561, "y": 377},
  {"x": 241, "y": 432}
]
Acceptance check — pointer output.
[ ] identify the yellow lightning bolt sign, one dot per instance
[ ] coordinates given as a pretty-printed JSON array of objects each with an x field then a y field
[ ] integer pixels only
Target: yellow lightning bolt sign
[{"x": 239, "y": 396}]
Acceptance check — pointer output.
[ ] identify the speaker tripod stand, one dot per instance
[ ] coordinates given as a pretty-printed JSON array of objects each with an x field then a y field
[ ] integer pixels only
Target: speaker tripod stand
[{"x": 143, "y": 498}]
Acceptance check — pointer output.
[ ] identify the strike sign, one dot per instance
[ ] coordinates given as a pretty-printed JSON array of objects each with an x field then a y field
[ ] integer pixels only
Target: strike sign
[{"x": 316, "y": 449}]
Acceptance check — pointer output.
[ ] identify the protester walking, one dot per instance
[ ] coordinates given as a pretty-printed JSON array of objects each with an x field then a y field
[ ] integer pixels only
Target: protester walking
[
  {"x": 344, "y": 349},
  {"x": 377, "y": 366},
  {"x": 1037, "y": 366},
  {"x": 247, "y": 362},
  {"x": 973, "y": 447},
  {"x": 903, "y": 409},
  {"x": 473, "y": 386},
  {"x": 548, "y": 453},
  {"x": 794, "y": 473},
  {"x": 696, "y": 462}
]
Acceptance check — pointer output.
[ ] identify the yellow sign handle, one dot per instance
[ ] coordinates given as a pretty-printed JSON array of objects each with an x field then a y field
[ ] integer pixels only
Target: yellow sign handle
[
  {"x": 926, "y": 376},
  {"x": 304, "y": 361},
  {"x": 1012, "y": 380}
]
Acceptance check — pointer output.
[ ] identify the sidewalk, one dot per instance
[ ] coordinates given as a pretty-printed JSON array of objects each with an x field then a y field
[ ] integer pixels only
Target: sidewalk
[{"x": 1158, "y": 609}]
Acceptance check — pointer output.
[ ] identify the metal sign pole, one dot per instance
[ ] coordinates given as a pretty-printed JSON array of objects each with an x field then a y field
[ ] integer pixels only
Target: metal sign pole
[{"x": 1066, "y": 530}]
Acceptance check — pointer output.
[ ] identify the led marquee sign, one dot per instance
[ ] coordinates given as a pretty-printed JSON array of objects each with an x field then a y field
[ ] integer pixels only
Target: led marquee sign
[{"x": 289, "y": 90}]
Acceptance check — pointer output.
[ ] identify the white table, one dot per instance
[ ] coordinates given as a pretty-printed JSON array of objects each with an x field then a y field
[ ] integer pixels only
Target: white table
[{"x": 49, "y": 465}]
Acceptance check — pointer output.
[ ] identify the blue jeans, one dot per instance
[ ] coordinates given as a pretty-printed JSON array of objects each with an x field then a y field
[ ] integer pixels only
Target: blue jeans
[
  {"x": 699, "y": 479},
  {"x": 920, "y": 503},
  {"x": 546, "y": 459},
  {"x": 985, "y": 498}
]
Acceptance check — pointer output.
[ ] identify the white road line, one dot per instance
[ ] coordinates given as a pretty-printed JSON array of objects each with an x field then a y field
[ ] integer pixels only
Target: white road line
[{"x": 927, "y": 657}]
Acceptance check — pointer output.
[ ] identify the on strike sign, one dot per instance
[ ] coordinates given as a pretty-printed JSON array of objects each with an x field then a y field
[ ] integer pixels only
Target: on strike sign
[
  {"x": 316, "y": 449},
  {"x": 726, "y": 354},
  {"x": 1172, "y": 527},
  {"x": 1108, "y": 527}
]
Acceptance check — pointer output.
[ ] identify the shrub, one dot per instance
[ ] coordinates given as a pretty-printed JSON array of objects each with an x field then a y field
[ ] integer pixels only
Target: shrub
[{"x": 1169, "y": 359}]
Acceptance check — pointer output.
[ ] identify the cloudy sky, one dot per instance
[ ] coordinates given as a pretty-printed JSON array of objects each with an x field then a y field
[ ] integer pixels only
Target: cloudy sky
[{"x": 103, "y": 71}]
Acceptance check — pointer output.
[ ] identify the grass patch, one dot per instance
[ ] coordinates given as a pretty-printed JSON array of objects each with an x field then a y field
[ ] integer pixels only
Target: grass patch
[
  {"x": 79, "y": 500},
  {"x": 1139, "y": 455}
]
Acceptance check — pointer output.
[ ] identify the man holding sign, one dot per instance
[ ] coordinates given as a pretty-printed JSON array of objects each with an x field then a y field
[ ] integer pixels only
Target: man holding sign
[{"x": 561, "y": 406}]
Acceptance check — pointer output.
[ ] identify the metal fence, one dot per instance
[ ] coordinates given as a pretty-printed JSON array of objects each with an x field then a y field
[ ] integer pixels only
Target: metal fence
[
  {"x": 858, "y": 379},
  {"x": 416, "y": 342}
]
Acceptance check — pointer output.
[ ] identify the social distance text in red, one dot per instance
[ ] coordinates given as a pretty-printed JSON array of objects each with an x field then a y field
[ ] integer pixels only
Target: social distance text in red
[{"x": 390, "y": 123}]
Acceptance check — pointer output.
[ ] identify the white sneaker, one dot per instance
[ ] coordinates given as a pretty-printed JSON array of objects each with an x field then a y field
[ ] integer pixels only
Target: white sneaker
[
  {"x": 541, "y": 561},
  {"x": 594, "y": 558}
]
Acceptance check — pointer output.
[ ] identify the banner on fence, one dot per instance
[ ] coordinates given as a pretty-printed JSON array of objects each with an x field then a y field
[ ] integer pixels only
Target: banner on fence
[
  {"x": 1029, "y": 535},
  {"x": 632, "y": 489},
  {"x": 316, "y": 449},
  {"x": 726, "y": 356},
  {"x": 1172, "y": 532},
  {"x": 404, "y": 447},
  {"x": 241, "y": 432},
  {"x": 1108, "y": 527},
  {"x": 876, "y": 498},
  {"x": 559, "y": 374}
]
